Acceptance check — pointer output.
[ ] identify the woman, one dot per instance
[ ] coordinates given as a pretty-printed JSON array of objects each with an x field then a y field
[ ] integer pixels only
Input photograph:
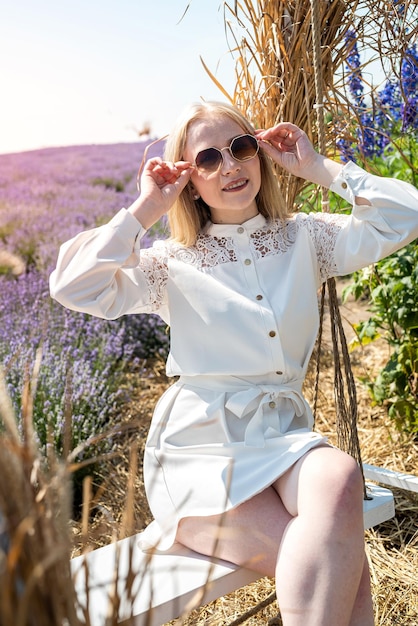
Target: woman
[{"x": 232, "y": 466}]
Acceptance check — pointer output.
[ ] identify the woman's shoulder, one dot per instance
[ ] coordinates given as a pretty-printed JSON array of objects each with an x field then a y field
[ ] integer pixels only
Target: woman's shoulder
[
  {"x": 312, "y": 220},
  {"x": 318, "y": 217},
  {"x": 317, "y": 222}
]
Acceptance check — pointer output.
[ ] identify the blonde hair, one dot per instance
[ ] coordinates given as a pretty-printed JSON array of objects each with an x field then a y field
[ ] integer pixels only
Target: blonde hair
[{"x": 188, "y": 216}]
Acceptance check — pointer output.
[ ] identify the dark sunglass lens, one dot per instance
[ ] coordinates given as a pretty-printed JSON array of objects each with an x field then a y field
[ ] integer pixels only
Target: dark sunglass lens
[
  {"x": 208, "y": 159},
  {"x": 245, "y": 147}
]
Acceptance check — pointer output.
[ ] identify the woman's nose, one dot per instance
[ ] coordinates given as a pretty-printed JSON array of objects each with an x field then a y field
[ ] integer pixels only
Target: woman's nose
[{"x": 228, "y": 162}]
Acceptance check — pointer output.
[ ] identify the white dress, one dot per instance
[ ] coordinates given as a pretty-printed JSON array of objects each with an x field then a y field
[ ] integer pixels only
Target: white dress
[{"x": 242, "y": 306}]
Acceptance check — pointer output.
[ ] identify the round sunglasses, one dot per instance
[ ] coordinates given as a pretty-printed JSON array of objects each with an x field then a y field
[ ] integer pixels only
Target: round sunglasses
[{"x": 241, "y": 148}]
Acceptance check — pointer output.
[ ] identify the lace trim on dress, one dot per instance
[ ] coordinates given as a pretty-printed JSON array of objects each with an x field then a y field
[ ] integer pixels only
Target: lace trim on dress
[
  {"x": 210, "y": 251},
  {"x": 324, "y": 230},
  {"x": 154, "y": 268},
  {"x": 277, "y": 239}
]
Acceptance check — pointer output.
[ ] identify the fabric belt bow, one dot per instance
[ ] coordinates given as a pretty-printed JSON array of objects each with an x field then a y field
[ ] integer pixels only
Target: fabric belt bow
[{"x": 260, "y": 399}]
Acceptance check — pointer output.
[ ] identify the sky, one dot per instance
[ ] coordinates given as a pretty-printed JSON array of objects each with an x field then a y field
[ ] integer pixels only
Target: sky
[{"x": 95, "y": 71}]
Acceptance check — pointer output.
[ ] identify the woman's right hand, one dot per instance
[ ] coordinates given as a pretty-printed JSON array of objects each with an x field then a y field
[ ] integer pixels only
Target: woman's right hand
[{"x": 161, "y": 184}]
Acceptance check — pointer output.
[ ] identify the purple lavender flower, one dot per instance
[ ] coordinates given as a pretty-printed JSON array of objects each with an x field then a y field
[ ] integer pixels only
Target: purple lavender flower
[{"x": 47, "y": 197}]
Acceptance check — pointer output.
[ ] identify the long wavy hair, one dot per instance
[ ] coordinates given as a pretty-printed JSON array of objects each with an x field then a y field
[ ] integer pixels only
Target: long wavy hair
[{"x": 188, "y": 216}]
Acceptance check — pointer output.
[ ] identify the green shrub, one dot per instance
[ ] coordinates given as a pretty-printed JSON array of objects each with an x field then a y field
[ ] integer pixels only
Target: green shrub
[{"x": 392, "y": 286}]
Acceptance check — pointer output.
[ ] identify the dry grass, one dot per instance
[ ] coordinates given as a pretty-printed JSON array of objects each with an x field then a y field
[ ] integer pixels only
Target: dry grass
[
  {"x": 37, "y": 517},
  {"x": 35, "y": 546}
]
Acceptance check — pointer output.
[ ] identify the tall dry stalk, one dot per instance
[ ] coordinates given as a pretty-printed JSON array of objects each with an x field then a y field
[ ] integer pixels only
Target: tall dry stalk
[
  {"x": 36, "y": 542},
  {"x": 272, "y": 45},
  {"x": 35, "y": 545}
]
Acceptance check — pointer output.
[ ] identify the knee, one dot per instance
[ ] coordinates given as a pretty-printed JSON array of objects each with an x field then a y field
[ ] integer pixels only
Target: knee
[
  {"x": 326, "y": 483},
  {"x": 335, "y": 482},
  {"x": 346, "y": 475},
  {"x": 343, "y": 489}
]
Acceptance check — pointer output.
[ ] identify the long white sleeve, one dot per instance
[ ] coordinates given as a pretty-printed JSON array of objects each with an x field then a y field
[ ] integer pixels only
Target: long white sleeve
[
  {"x": 97, "y": 270},
  {"x": 373, "y": 232}
]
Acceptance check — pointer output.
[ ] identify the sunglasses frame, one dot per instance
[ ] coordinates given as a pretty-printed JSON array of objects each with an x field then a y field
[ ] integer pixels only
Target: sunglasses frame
[
  {"x": 229, "y": 148},
  {"x": 220, "y": 150}
]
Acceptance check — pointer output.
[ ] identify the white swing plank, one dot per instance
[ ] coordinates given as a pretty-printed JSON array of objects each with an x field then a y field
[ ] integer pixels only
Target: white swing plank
[
  {"x": 164, "y": 583},
  {"x": 379, "y": 508},
  {"x": 155, "y": 589},
  {"x": 390, "y": 477}
]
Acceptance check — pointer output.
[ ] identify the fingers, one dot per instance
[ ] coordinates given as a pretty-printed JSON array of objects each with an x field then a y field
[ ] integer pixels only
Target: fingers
[
  {"x": 283, "y": 136},
  {"x": 166, "y": 172},
  {"x": 280, "y": 131}
]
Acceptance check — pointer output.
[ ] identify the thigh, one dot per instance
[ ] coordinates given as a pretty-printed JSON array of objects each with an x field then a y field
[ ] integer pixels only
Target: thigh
[
  {"x": 248, "y": 535},
  {"x": 324, "y": 480}
]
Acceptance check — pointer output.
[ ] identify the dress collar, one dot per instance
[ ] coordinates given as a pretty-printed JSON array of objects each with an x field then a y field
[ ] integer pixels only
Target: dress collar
[{"x": 217, "y": 230}]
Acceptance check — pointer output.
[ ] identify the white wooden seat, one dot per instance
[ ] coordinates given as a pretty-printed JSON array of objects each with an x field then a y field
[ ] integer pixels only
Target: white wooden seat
[
  {"x": 154, "y": 589},
  {"x": 390, "y": 477}
]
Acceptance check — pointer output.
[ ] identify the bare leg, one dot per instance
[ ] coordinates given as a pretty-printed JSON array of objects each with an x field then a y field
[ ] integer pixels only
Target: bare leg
[
  {"x": 248, "y": 535},
  {"x": 308, "y": 529},
  {"x": 363, "y": 607},
  {"x": 321, "y": 579}
]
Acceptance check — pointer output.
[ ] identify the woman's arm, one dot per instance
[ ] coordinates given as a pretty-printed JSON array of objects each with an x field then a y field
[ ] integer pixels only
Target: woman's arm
[
  {"x": 161, "y": 184},
  {"x": 99, "y": 271},
  {"x": 385, "y": 210},
  {"x": 102, "y": 272}
]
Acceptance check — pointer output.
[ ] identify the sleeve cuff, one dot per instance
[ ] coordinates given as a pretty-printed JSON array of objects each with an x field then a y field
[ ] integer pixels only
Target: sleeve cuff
[
  {"x": 348, "y": 181},
  {"x": 129, "y": 228}
]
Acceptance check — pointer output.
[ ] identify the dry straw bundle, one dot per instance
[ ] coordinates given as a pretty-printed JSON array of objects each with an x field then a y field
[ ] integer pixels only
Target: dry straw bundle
[
  {"x": 273, "y": 46},
  {"x": 35, "y": 547},
  {"x": 272, "y": 42}
]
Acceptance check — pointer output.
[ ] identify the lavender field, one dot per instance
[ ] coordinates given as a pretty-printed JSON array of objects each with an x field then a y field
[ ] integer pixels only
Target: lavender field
[{"x": 46, "y": 197}]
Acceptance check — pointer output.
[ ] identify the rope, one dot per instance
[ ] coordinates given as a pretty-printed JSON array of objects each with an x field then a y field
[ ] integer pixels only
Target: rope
[{"x": 345, "y": 388}]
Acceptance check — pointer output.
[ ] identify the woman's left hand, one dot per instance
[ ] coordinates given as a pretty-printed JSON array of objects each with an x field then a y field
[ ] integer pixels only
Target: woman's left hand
[{"x": 290, "y": 147}]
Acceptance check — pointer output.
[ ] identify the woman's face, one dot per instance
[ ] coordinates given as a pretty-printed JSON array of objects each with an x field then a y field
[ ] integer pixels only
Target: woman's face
[{"x": 230, "y": 191}]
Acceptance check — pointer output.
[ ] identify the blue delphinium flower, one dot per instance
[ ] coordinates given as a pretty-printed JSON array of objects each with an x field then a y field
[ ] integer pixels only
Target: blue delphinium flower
[
  {"x": 355, "y": 81},
  {"x": 399, "y": 7},
  {"x": 410, "y": 114},
  {"x": 389, "y": 102},
  {"x": 409, "y": 87},
  {"x": 367, "y": 145},
  {"x": 346, "y": 149},
  {"x": 396, "y": 102}
]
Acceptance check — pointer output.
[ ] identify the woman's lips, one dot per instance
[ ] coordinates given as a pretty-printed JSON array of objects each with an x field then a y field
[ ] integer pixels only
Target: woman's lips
[{"x": 236, "y": 185}]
